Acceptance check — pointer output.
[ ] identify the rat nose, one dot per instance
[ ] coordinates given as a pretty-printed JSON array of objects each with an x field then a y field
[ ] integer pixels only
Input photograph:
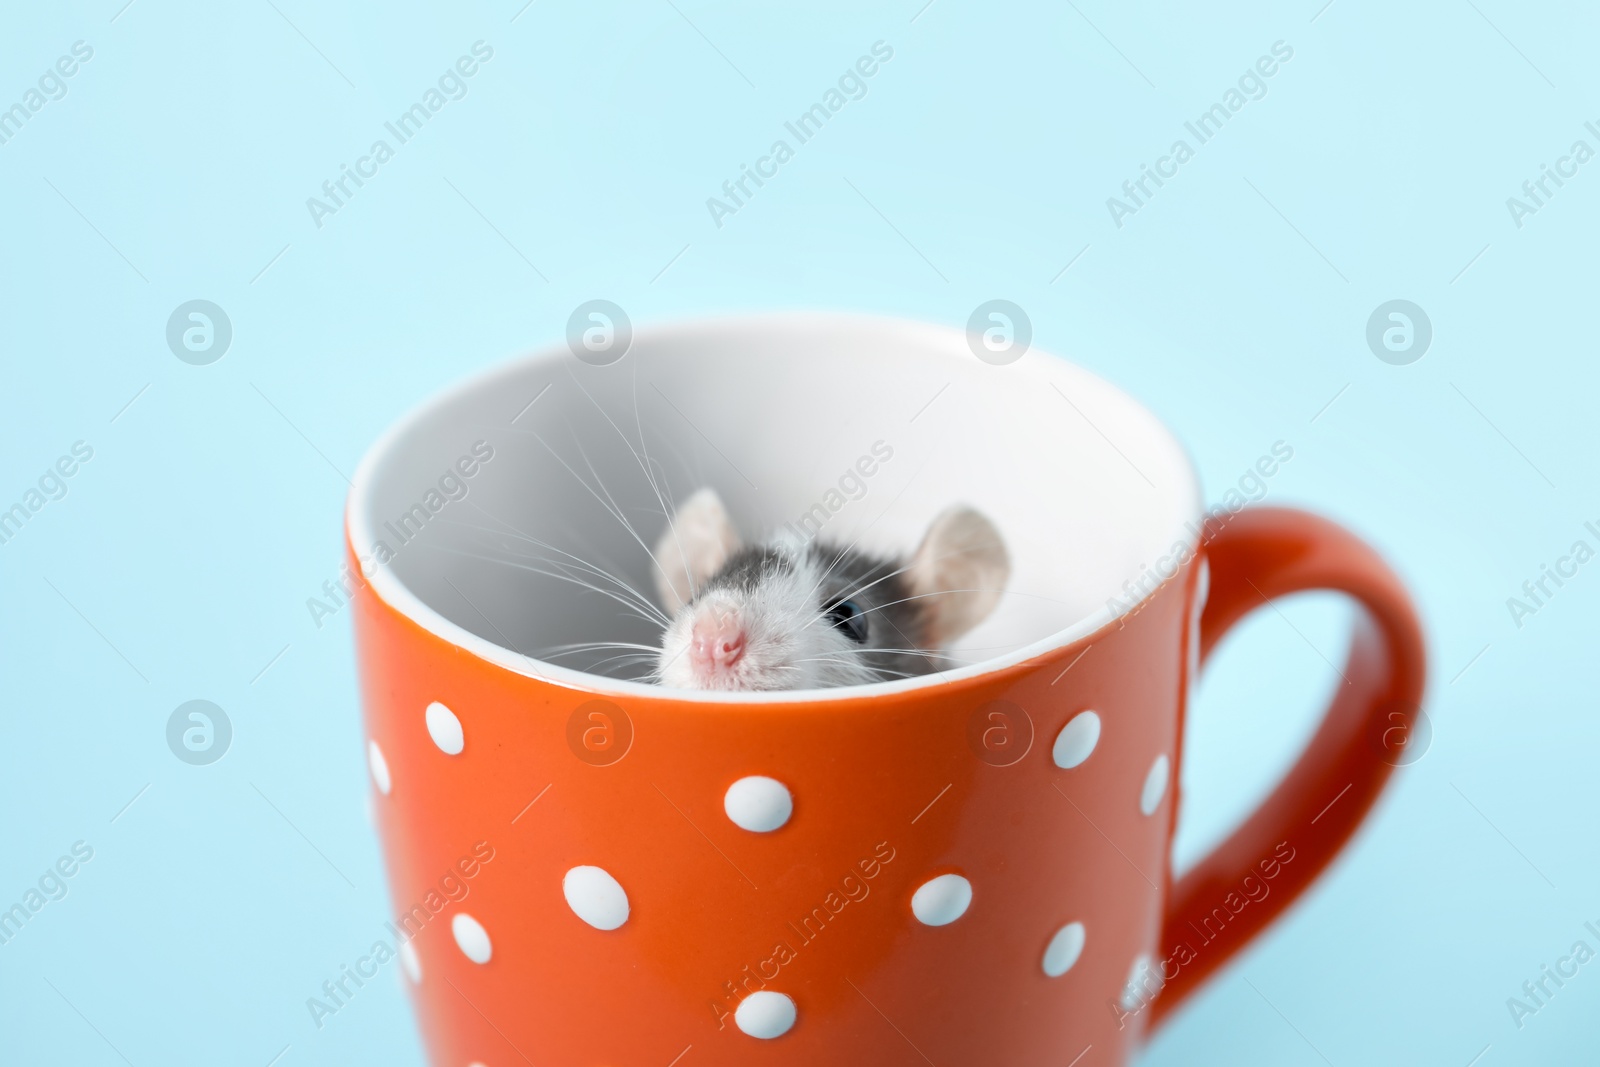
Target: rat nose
[{"x": 717, "y": 640}]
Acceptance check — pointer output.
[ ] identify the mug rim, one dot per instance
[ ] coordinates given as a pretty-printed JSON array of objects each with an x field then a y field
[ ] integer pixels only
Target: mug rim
[{"x": 386, "y": 585}]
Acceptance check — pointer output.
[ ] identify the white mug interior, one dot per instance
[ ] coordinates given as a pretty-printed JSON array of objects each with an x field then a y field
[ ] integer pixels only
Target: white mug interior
[{"x": 482, "y": 514}]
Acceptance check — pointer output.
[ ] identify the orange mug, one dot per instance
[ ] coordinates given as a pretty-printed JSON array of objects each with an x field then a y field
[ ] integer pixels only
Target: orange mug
[{"x": 966, "y": 868}]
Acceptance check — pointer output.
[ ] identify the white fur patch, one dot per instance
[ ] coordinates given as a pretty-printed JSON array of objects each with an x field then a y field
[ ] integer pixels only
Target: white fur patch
[{"x": 789, "y": 644}]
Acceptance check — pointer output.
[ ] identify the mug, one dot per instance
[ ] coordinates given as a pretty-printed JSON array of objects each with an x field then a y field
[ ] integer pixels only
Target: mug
[{"x": 970, "y": 867}]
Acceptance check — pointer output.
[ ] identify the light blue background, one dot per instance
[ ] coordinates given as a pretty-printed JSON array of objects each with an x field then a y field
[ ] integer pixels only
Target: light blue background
[{"x": 1234, "y": 304}]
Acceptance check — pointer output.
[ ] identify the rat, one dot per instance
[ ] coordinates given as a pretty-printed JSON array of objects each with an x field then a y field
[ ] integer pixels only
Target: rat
[{"x": 791, "y": 613}]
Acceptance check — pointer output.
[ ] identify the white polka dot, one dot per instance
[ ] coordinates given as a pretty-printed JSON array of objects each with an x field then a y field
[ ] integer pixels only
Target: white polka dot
[
  {"x": 765, "y": 1014},
  {"x": 942, "y": 900},
  {"x": 758, "y": 804},
  {"x": 1077, "y": 739},
  {"x": 595, "y": 897},
  {"x": 1155, "y": 784},
  {"x": 445, "y": 729},
  {"x": 471, "y": 937},
  {"x": 379, "y": 766},
  {"x": 411, "y": 962},
  {"x": 1143, "y": 984},
  {"x": 1064, "y": 950}
]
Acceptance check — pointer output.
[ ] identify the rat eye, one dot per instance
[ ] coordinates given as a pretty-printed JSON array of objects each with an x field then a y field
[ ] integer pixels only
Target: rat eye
[{"x": 848, "y": 618}]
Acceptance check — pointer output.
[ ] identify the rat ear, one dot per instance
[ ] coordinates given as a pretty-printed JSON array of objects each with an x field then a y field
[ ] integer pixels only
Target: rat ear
[
  {"x": 960, "y": 569},
  {"x": 696, "y": 543}
]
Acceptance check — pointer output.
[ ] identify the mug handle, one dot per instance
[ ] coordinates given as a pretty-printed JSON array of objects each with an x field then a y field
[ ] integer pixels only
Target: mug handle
[{"x": 1255, "y": 556}]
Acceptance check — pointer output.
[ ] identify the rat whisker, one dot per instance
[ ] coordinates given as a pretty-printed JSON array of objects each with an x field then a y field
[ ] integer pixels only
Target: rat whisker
[
  {"x": 634, "y": 600},
  {"x": 858, "y": 590},
  {"x": 925, "y": 653},
  {"x": 901, "y": 570},
  {"x": 633, "y": 660},
  {"x": 623, "y": 594},
  {"x": 657, "y": 615},
  {"x": 876, "y": 670},
  {"x": 851, "y": 547},
  {"x": 605, "y": 503},
  {"x": 557, "y": 654},
  {"x": 633, "y": 607},
  {"x": 644, "y": 465},
  {"x": 594, "y": 646},
  {"x": 644, "y": 604}
]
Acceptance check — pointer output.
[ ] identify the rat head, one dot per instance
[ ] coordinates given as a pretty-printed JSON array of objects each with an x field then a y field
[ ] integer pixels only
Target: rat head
[{"x": 790, "y": 614}]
